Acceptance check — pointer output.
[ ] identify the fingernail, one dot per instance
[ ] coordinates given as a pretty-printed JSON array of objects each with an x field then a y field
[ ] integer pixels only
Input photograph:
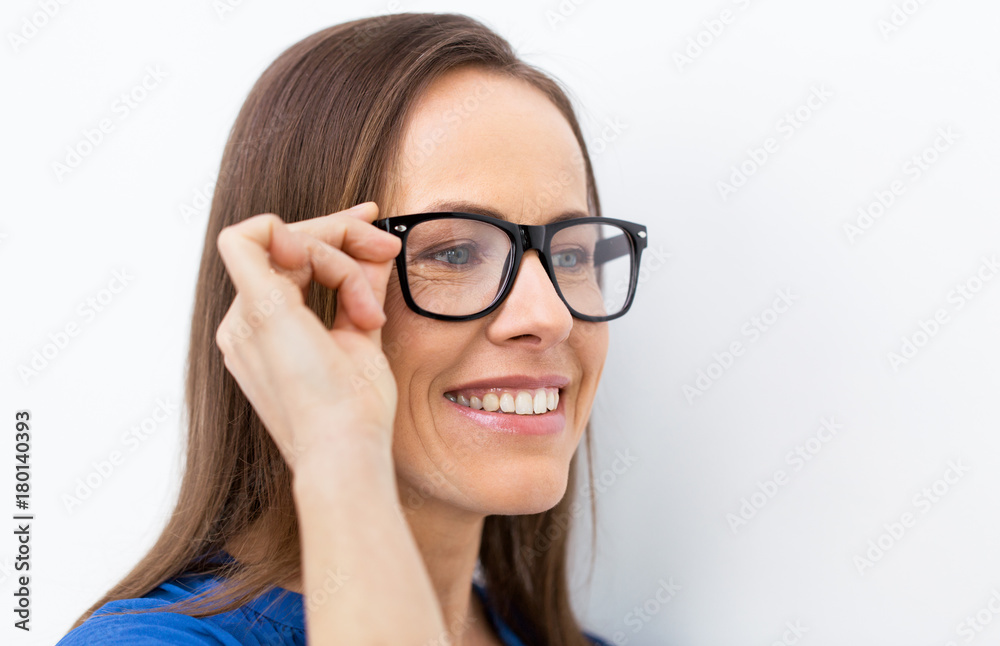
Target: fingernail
[{"x": 358, "y": 207}]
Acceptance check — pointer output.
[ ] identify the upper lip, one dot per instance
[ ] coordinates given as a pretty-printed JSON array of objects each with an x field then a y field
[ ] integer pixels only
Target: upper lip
[{"x": 515, "y": 381}]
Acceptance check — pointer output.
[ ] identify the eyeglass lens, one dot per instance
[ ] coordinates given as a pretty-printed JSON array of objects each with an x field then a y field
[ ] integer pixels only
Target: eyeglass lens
[{"x": 457, "y": 267}]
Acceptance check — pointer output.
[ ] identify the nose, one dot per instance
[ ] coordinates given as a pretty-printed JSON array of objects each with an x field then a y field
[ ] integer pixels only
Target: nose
[{"x": 533, "y": 312}]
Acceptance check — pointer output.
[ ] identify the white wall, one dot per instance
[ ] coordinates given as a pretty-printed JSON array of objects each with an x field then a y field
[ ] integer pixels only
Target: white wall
[{"x": 717, "y": 262}]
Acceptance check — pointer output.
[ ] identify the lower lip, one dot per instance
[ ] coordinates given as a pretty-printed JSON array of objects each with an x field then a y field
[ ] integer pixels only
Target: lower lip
[{"x": 548, "y": 423}]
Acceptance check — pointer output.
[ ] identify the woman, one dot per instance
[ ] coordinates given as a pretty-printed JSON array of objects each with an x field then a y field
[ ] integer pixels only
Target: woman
[{"x": 397, "y": 477}]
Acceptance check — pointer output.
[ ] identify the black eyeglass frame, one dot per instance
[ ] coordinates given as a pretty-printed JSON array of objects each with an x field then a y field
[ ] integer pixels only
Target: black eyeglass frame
[{"x": 523, "y": 237}]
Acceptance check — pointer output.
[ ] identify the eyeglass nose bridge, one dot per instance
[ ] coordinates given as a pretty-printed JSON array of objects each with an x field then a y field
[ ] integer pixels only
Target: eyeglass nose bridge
[{"x": 532, "y": 236}]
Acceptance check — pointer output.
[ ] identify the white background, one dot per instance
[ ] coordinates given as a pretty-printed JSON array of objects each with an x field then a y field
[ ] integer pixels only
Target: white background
[{"x": 137, "y": 203}]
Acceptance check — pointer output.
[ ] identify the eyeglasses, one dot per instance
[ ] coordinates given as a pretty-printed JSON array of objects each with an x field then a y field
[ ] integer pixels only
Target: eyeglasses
[{"x": 461, "y": 266}]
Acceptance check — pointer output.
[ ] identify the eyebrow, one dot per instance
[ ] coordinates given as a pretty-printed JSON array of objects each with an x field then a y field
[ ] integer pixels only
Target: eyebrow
[{"x": 465, "y": 206}]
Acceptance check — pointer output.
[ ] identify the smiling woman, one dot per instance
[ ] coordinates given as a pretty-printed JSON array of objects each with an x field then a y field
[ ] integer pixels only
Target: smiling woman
[{"x": 384, "y": 420}]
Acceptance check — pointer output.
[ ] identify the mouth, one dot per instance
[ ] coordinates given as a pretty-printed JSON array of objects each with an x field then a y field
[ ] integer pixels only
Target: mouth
[
  {"x": 528, "y": 406},
  {"x": 535, "y": 401}
]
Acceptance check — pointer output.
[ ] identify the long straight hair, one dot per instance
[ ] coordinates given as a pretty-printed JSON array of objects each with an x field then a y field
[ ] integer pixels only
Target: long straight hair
[{"x": 320, "y": 131}]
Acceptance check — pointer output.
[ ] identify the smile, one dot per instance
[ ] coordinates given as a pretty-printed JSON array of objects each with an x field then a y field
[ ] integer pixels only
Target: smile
[{"x": 535, "y": 401}]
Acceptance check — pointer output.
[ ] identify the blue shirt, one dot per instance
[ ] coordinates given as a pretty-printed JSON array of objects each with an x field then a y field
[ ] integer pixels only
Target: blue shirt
[{"x": 275, "y": 617}]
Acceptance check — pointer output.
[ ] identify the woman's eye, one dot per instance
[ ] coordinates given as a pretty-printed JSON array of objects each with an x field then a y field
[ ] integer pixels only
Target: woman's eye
[
  {"x": 453, "y": 255},
  {"x": 566, "y": 259}
]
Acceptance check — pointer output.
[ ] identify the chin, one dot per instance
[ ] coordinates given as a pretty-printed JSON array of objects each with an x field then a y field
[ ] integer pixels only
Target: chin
[{"x": 522, "y": 486}]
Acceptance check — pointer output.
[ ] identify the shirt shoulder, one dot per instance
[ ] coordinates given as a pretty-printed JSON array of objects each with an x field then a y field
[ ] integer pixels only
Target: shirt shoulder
[
  {"x": 144, "y": 628},
  {"x": 239, "y": 627},
  {"x": 595, "y": 640}
]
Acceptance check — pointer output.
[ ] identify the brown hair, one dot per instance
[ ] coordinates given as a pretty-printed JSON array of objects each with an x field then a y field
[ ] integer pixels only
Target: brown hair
[{"x": 321, "y": 131}]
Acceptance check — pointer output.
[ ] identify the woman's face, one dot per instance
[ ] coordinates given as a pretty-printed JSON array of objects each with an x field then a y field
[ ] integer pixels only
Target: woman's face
[{"x": 497, "y": 144}]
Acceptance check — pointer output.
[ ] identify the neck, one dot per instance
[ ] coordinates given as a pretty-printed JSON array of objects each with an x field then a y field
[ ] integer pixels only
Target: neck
[{"x": 448, "y": 540}]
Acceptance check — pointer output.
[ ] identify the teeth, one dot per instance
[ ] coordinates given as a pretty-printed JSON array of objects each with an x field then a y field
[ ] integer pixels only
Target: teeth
[
  {"x": 539, "y": 402},
  {"x": 521, "y": 402}
]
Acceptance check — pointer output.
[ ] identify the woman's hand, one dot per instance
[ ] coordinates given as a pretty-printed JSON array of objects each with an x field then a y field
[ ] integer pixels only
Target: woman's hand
[
  {"x": 308, "y": 384},
  {"x": 311, "y": 389}
]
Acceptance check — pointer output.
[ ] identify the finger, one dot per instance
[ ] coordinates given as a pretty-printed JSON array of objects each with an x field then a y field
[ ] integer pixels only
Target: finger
[
  {"x": 352, "y": 231},
  {"x": 357, "y": 302},
  {"x": 378, "y": 277},
  {"x": 245, "y": 251},
  {"x": 378, "y": 274},
  {"x": 294, "y": 255},
  {"x": 251, "y": 247}
]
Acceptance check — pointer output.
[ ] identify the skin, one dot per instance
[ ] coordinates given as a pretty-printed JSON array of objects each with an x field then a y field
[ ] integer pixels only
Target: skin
[{"x": 401, "y": 451}]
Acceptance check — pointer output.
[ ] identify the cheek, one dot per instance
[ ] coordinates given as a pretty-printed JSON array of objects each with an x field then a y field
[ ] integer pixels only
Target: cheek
[
  {"x": 400, "y": 338},
  {"x": 394, "y": 305},
  {"x": 419, "y": 349},
  {"x": 408, "y": 347},
  {"x": 590, "y": 343}
]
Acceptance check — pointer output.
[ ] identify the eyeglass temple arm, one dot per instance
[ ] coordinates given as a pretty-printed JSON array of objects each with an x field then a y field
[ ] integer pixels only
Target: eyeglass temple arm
[{"x": 607, "y": 249}]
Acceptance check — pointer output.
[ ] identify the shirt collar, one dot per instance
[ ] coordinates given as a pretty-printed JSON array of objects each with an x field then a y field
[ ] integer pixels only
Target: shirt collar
[{"x": 287, "y": 607}]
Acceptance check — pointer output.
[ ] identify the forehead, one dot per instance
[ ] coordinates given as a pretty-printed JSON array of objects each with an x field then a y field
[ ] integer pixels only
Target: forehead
[{"x": 477, "y": 137}]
